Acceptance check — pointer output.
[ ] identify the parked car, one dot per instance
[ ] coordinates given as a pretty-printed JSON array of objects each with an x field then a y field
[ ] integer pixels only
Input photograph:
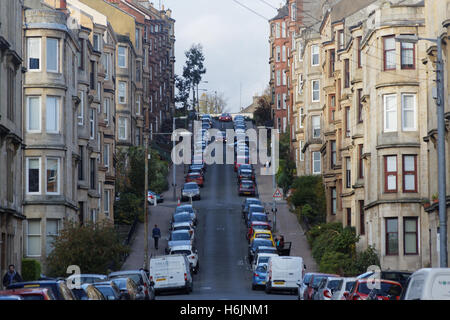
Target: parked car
[
  {"x": 191, "y": 253},
  {"x": 171, "y": 272},
  {"x": 393, "y": 275},
  {"x": 257, "y": 225},
  {"x": 258, "y": 243},
  {"x": 257, "y": 216},
  {"x": 141, "y": 279},
  {"x": 388, "y": 290},
  {"x": 110, "y": 290},
  {"x": 58, "y": 287},
  {"x": 247, "y": 187},
  {"x": 195, "y": 177},
  {"x": 246, "y": 166},
  {"x": 327, "y": 287},
  {"x": 200, "y": 166},
  {"x": 190, "y": 190},
  {"x": 187, "y": 226},
  {"x": 283, "y": 273},
  {"x": 180, "y": 238},
  {"x": 221, "y": 136},
  {"x": 88, "y": 291},
  {"x": 226, "y": 117},
  {"x": 188, "y": 208},
  {"x": 129, "y": 289},
  {"x": 153, "y": 195},
  {"x": 262, "y": 258},
  {"x": 262, "y": 234},
  {"x": 240, "y": 160},
  {"x": 27, "y": 294},
  {"x": 259, "y": 276},
  {"x": 428, "y": 284},
  {"x": 253, "y": 208},
  {"x": 246, "y": 204},
  {"x": 86, "y": 278},
  {"x": 313, "y": 284},
  {"x": 347, "y": 285},
  {"x": 246, "y": 175},
  {"x": 303, "y": 285},
  {"x": 182, "y": 217}
]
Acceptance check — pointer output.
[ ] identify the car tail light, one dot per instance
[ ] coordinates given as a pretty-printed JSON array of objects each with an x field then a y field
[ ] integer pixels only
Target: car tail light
[
  {"x": 185, "y": 277},
  {"x": 151, "y": 278},
  {"x": 327, "y": 294},
  {"x": 256, "y": 275},
  {"x": 356, "y": 297}
]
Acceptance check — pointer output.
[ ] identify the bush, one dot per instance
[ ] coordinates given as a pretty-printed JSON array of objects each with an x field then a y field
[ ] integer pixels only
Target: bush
[
  {"x": 309, "y": 190},
  {"x": 95, "y": 248},
  {"x": 31, "y": 269},
  {"x": 365, "y": 259},
  {"x": 335, "y": 262}
]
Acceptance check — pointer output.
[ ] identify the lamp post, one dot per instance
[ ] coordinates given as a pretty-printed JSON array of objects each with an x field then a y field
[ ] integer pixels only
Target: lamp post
[
  {"x": 440, "y": 103},
  {"x": 174, "y": 165}
]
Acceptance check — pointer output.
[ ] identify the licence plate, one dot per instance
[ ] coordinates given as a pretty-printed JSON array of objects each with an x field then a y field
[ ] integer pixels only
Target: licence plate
[
  {"x": 247, "y": 192},
  {"x": 278, "y": 282},
  {"x": 161, "y": 279}
]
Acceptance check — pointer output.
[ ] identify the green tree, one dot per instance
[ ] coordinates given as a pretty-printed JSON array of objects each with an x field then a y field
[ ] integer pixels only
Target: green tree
[
  {"x": 263, "y": 113},
  {"x": 183, "y": 91},
  {"x": 95, "y": 248},
  {"x": 194, "y": 68},
  {"x": 309, "y": 190}
]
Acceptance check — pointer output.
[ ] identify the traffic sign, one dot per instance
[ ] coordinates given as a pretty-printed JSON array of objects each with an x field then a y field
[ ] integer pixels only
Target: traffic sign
[{"x": 278, "y": 195}]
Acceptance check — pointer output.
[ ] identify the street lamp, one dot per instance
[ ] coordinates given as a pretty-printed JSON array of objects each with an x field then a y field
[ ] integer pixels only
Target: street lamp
[
  {"x": 440, "y": 102},
  {"x": 174, "y": 165}
]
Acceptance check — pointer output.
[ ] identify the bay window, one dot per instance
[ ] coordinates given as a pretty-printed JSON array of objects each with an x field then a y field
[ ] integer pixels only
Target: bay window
[
  {"x": 390, "y": 174},
  {"x": 390, "y": 113},
  {"x": 52, "y": 114},
  {"x": 34, "y": 54},
  {"x": 52, "y": 55},
  {"x": 52, "y": 176},
  {"x": 409, "y": 173}
]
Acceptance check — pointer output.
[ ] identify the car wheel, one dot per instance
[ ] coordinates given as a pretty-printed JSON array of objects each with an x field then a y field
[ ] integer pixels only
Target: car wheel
[
  {"x": 253, "y": 287},
  {"x": 267, "y": 289}
]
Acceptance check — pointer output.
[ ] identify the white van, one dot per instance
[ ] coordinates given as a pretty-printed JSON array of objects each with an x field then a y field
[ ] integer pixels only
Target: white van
[
  {"x": 171, "y": 272},
  {"x": 428, "y": 284},
  {"x": 283, "y": 273}
]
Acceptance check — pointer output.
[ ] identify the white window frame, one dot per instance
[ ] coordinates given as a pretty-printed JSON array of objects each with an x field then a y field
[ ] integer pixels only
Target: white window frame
[
  {"x": 125, "y": 126},
  {"x": 315, "y": 47},
  {"x": 27, "y": 167},
  {"x": 58, "y": 175},
  {"x": 312, "y": 91},
  {"x": 314, "y": 161},
  {"x": 106, "y": 151},
  {"x": 124, "y": 55},
  {"x": 125, "y": 92},
  {"x": 302, "y": 155},
  {"x": 28, "y": 114},
  {"x": 106, "y": 200},
  {"x": 414, "y": 110},
  {"x": 283, "y": 101},
  {"x": 107, "y": 109},
  {"x": 314, "y": 127},
  {"x": 385, "y": 113},
  {"x": 34, "y": 235},
  {"x": 29, "y": 39},
  {"x": 98, "y": 46},
  {"x": 50, "y": 235},
  {"x": 301, "y": 118},
  {"x": 91, "y": 123},
  {"x": 278, "y": 73},
  {"x": 80, "y": 116},
  {"x": 138, "y": 105},
  {"x": 57, "y": 55},
  {"x": 58, "y": 106}
]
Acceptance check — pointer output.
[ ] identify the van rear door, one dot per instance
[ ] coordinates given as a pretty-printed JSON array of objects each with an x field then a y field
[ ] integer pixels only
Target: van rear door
[
  {"x": 176, "y": 271},
  {"x": 286, "y": 271},
  {"x": 160, "y": 272}
]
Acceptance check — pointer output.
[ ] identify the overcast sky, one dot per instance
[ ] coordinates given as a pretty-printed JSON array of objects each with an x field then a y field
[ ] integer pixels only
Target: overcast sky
[{"x": 234, "y": 40}]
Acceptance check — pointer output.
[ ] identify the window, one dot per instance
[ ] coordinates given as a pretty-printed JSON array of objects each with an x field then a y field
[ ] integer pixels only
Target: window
[
  {"x": 122, "y": 92},
  {"x": 341, "y": 42},
  {"x": 302, "y": 115},
  {"x": 332, "y": 104},
  {"x": 358, "y": 48},
  {"x": 333, "y": 201},
  {"x": 92, "y": 174},
  {"x": 389, "y": 53},
  {"x": 52, "y": 114},
  {"x": 122, "y": 57},
  {"x": 80, "y": 55},
  {"x": 99, "y": 90},
  {"x": 300, "y": 51},
  {"x": 283, "y": 29},
  {"x": 294, "y": 12},
  {"x": 409, "y": 112},
  {"x": 34, "y": 54},
  {"x": 10, "y": 164},
  {"x": 278, "y": 54},
  {"x": 96, "y": 40},
  {"x": 107, "y": 64},
  {"x": 33, "y": 175},
  {"x": 315, "y": 90},
  {"x": 92, "y": 123},
  {"x": 92, "y": 76},
  {"x": 278, "y": 30},
  {"x": 316, "y": 163},
  {"x": 346, "y": 73},
  {"x": 106, "y": 202},
  {"x": 81, "y": 164},
  {"x": 332, "y": 63},
  {"x": 278, "y": 78},
  {"x": 349, "y": 217},
  {"x": 122, "y": 128},
  {"x": 390, "y": 174},
  {"x": 138, "y": 38},
  {"x": 284, "y": 123},
  {"x": 52, "y": 55},
  {"x": 302, "y": 155},
  {"x": 106, "y": 155},
  {"x": 80, "y": 114},
  {"x": 361, "y": 162},
  {"x": 300, "y": 84},
  {"x": 52, "y": 176},
  {"x": 138, "y": 71},
  {"x": 34, "y": 237},
  {"x": 10, "y": 93},
  {"x": 278, "y": 101},
  {"x": 407, "y": 55},
  {"x": 283, "y": 54},
  {"x": 284, "y": 101},
  {"x": 409, "y": 173},
  {"x": 315, "y": 55},
  {"x": 315, "y": 120},
  {"x": 347, "y": 122},
  {"x": 362, "y": 224},
  {"x": 360, "y": 105},
  {"x": 333, "y": 153},
  {"x": 410, "y": 237},
  {"x": 107, "y": 109},
  {"x": 138, "y": 105},
  {"x": 52, "y": 230},
  {"x": 390, "y": 113},
  {"x": 348, "y": 173},
  {"x": 391, "y": 236},
  {"x": 33, "y": 114}
]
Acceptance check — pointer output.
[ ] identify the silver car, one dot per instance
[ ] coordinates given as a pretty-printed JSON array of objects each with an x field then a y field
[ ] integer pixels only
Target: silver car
[
  {"x": 190, "y": 190},
  {"x": 327, "y": 287}
]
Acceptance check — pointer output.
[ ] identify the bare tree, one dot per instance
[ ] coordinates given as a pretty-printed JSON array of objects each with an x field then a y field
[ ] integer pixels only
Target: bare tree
[{"x": 213, "y": 103}]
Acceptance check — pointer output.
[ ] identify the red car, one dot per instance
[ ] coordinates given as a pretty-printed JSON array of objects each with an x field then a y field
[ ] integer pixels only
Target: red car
[
  {"x": 247, "y": 187},
  {"x": 257, "y": 225},
  {"x": 385, "y": 290},
  {"x": 30, "y": 293},
  {"x": 314, "y": 284},
  {"x": 240, "y": 160},
  {"x": 225, "y": 117},
  {"x": 195, "y": 177}
]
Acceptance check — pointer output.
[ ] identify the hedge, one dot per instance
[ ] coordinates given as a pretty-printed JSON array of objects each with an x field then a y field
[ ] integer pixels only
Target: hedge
[{"x": 31, "y": 269}]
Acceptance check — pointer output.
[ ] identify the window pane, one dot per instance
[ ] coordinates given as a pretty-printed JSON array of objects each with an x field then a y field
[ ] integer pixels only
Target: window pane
[
  {"x": 410, "y": 182},
  {"x": 34, "y": 52},
  {"x": 392, "y": 182},
  {"x": 408, "y": 112},
  {"x": 122, "y": 57},
  {"x": 34, "y": 121},
  {"x": 52, "y": 114},
  {"x": 52, "y": 227},
  {"x": 33, "y": 175},
  {"x": 409, "y": 164},
  {"x": 391, "y": 164},
  {"x": 410, "y": 225},
  {"x": 392, "y": 225},
  {"x": 393, "y": 243},
  {"x": 52, "y": 175},
  {"x": 410, "y": 243},
  {"x": 34, "y": 246},
  {"x": 34, "y": 227},
  {"x": 52, "y": 54}
]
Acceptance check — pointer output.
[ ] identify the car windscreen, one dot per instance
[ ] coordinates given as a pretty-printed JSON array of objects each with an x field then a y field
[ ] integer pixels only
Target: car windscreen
[
  {"x": 194, "y": 176},
  {"x": 383, "y": 289},
  {"x": 256, "y": 209},
  {"x": 190, "y": 186},
  {"x": 349, "y": 286},
  {"x": 260, "y": 227},
  {"x": 335, "y": 284},
  {"x": 106, "y": 291},
  {"x": 267, "y": 250},
  {"x": 186, "y": 252},
  {"x": 135, "y": 277},
  {"x": 121, "y": 283},
  {"x": 182, "y": 218},
  {"x": 262, "y": 243},
  {"x": 262, "y": 236},
  {"x": 181, "y": 228},
  {"x": 261, "y": 268},
  {"x": 263, "y": 260},
  {"x": 80, "y": 294},
  {"x": 184, "y": 209},
  {"x": 259, "y": 217},
  {"x": 317, "y": 280},
  {"x": 247, "y": 185},
  {"x": 180, "y": 236},
  {"x": 307, "y": 278}
]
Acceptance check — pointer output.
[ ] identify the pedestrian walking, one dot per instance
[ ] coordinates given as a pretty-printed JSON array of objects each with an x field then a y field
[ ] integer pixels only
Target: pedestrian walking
[
  {"x": 11, "y": 276},
  {"x": 156, "y": 233}
]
